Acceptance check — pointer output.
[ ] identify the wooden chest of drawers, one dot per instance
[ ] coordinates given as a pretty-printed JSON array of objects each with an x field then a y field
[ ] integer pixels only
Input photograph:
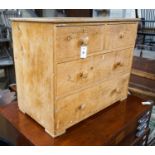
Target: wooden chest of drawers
[{"x": 57, "y": 86}]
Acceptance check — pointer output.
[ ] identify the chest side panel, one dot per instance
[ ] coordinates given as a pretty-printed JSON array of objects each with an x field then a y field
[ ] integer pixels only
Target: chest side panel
[{"x": 33, "y": 54}]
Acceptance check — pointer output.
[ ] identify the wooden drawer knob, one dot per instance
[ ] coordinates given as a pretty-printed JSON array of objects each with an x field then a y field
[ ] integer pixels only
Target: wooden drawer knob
[
  {"x": 116, "y": 90},
  {"x": 69, "y": 38},
  {"x": 118, "y": 64},
  {"x": 81, "y": 107},
  {"x": 84, "y": 40},
  {"x": 83, "y": 75},
  {"x": 121, "y": 35}
]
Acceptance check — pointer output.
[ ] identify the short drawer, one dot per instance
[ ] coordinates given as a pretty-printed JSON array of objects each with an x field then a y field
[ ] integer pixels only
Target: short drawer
[
  {"x": 69, "y": 40},
  {"x": 80, "y": 73},
  {"x": 120, "y": 35},
  {"x": 123, "y": 60},
  {"x": 76, "y": 107}
]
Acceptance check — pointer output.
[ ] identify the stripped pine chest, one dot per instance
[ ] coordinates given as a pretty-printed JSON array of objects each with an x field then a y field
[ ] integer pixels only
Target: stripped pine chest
[{"x": 68, "y": 69}]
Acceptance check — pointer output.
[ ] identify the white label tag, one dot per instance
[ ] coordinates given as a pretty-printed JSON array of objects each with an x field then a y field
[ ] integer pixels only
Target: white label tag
[{"x": 83, "y": 52}]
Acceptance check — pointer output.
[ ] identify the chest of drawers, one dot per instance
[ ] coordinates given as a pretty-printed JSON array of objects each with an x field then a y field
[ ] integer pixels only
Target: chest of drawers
[{"x": 56, "y": 86}]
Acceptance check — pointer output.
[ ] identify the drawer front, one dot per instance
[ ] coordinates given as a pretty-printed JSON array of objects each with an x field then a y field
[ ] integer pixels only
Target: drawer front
[
  {"x": 120, "y": 35},
  {"x": 76, "y": 107},
  {"x": 70, "y": 39},
  {"x": 123, "y": 61},
  {"x": 78, "y": 74}
]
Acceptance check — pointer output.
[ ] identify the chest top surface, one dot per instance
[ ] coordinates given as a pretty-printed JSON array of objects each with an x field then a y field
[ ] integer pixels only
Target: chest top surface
[{"x": 74, "y": 20}]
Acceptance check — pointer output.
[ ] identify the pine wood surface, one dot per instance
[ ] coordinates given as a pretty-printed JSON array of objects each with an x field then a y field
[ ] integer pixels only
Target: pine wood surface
[{"x": 55, "y": 86}]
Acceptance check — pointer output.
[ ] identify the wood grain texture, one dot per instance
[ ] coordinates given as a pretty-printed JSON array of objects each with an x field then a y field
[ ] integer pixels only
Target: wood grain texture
[
  {"x": 143, "y": 77},
  {"x": 69, "y": 40},
  {"x": 115, "y": 125},
  {"x": 142, "y": 92},
  {"x": 143, "y": 74},
  {"x": 55, "y": 86},
  {"x": 78, "y": 74},
  {"x": 123, "y": 61},
  {"x": 120, "y": 35},
  {"x": 144, "y": 64},
  {"x": 34, "y": 75},
  {"x": 81, "y": 105}
]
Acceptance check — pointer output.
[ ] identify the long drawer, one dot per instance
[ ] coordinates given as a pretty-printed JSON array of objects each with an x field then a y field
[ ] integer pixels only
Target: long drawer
[
  {"x": 77, "y": 74},
  {"x": 80, "y": 73},
  {"x": 73, "y": 108}
]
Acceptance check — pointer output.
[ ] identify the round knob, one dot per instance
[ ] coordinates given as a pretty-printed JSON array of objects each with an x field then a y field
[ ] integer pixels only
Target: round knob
[
  {"x": 117, "y": 65},
  {"x": 82, "y": 106},
  {"x": 121, "y": 35},
  {"x": 84, "y": 40},
  {"x": 118, "y": 90},
  {"x": 91, "y": 68},
  {"x": 84, "y": 75},
  {"x": 69, "y": 38}
]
